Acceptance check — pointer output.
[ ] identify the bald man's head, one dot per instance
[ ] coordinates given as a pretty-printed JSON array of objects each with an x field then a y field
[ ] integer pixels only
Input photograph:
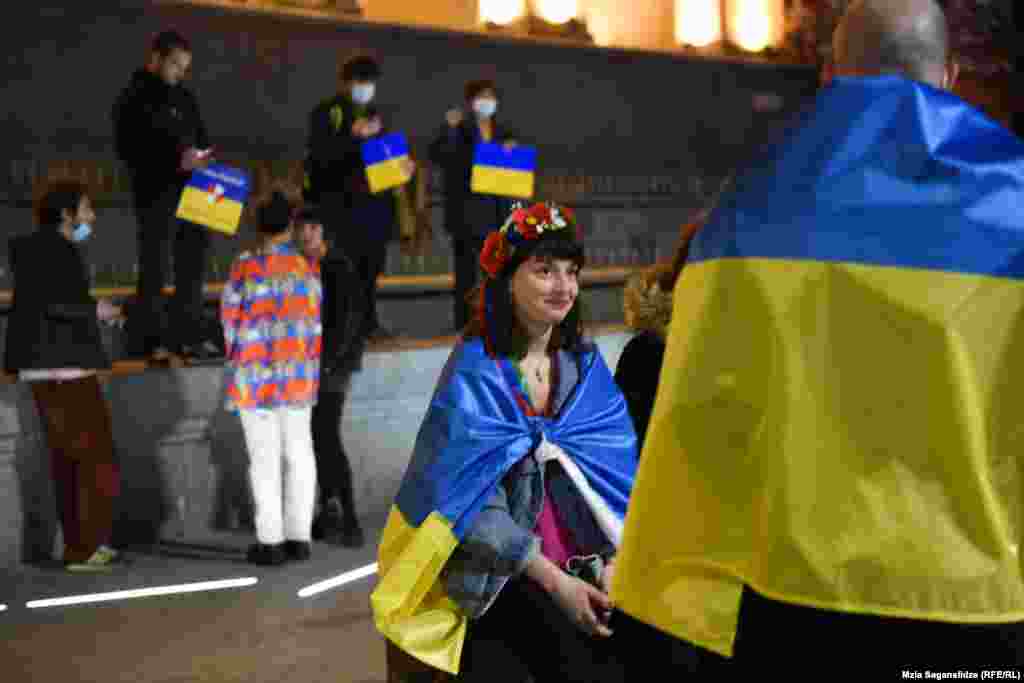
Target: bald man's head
[{"x": 904, "y": 37}]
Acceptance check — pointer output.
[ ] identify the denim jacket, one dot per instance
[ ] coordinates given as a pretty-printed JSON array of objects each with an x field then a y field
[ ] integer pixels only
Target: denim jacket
[{"x": 501, "y": 542}]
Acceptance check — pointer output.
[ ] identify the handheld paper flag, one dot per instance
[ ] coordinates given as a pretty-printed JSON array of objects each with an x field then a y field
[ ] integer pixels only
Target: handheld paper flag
[
  {"x": 214, "y": 198},
  {"x": 384, "y": 159},
  {"x": 504, "y": 173}
]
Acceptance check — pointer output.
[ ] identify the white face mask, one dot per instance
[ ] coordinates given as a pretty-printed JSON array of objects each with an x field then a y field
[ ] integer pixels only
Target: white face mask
[
  {"x": 81, "y": 232},
  {"x": 363, "y": 92},
  {"x": 485, "y": 107}
]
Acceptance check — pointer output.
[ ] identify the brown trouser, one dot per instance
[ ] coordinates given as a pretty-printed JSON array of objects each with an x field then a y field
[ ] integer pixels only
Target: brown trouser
[{"x": 87, "y": 480}]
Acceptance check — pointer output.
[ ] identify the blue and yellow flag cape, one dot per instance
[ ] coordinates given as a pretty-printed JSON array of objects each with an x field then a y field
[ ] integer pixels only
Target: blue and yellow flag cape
[
  {"x": 473, "y": 433},
  {"x": 506, "y": 173},
  {"x": 383, "y": 157},
  {"x": 838, "y": 422},
  {"x": 214, "y": 198}
]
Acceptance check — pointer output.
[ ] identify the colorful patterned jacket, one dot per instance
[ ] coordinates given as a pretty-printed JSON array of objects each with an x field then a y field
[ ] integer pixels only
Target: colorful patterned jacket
[{"x": 270, "y": 309}]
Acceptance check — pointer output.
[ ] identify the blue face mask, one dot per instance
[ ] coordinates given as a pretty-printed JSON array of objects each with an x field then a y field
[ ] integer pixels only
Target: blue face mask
[
  {"x": 485, "y": 107},
  {"x": 363, "y": 93},
  {"x": 81, "y": 232}
]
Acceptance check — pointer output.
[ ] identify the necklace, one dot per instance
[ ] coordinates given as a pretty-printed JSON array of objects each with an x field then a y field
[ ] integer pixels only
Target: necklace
[{"x": 536, "y": 371}]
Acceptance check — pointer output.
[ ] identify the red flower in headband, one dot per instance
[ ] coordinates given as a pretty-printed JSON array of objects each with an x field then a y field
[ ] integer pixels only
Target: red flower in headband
[{"x": 494, "y": 254}]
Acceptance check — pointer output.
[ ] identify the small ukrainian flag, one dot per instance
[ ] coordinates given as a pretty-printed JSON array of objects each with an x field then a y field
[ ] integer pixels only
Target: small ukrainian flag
[
  {"x": 383, "y": 157},
  {"x": 504, "y": 173},
  {"x": 214, "y": 198}
]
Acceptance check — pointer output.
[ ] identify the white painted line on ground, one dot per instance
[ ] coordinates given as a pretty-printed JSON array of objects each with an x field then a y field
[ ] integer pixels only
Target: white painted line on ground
[
  {"x": 340, "y": 580},
  {"x": 143, "y": 592},
  {"x": 3, "y": 607}
]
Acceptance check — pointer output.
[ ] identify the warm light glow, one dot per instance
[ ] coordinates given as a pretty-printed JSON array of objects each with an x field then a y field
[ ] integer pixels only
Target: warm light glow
[
  {"x": 599, "y": 24},
  {"x": 340, "y": 580},
  {"x": 752, "y": 23},
  {"x": 501, "y": 11},
  {"x": 557, "y": 11},
  {"x": 698, "y": 22},
  {"x": 143, "y": 592}
]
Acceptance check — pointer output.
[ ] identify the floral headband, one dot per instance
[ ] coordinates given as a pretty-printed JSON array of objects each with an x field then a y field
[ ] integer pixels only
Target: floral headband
[{"x": 523, "y": 224}]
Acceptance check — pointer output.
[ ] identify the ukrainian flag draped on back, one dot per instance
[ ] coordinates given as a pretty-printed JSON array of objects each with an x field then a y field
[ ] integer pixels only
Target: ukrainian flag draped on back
[
  {"x": 473, "y": 433},
  {"x": 838, "y": 422}
]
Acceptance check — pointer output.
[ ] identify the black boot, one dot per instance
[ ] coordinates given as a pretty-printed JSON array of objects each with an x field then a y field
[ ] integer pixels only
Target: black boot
[
  {"x": 350, "y": 535},
  {"x": 267, "y": 555},
  {"x": 299, "y": 551}
]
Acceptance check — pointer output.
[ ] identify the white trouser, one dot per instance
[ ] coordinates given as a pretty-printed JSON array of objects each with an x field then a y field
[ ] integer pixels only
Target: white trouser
[{"x": 280, "y": 443}]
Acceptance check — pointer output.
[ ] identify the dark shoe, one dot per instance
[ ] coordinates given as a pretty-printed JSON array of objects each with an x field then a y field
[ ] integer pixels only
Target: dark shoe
[
  {"x": 327, "y": 522},
  {"x": 319, "y": 528},
  {"x": 299, "y": 551},
  {"x": 266, "y": 555},
  {"x": 349, "y": 536}
]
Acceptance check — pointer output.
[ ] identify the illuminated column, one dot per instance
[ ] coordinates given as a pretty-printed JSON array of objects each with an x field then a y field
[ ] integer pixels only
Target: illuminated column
[
  {"x": 548, "y": 18},
  {"x": 755, "y": 24},
  {"x": 698, "y": 22},
  {"x": 556, "y": 11},
  {"x": 501, "y": 12}
]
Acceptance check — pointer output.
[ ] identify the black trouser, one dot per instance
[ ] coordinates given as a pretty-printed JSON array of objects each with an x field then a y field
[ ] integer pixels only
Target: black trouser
[
  {"x": 467, "y": 273},
  {"x": 333, "y": 471},
  {"x": 362, "y": 233},
  {"x": 158, "y": 228},
  {"x": 368, "y": 260},
  {"x": 870, "y": 647},
  {"x": 525, "y": 629}
]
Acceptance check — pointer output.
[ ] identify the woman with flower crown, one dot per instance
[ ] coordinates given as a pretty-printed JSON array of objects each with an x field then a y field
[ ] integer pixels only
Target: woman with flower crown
[{"x": 505, "y": 527}]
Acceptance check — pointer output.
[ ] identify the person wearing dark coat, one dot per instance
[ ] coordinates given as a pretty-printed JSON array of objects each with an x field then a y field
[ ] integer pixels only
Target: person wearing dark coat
[
  {"x": 468, "y": 217},
  {"x": 647, "y": 303},
  {"x": 161, "y": 138},
  {"x": 336, "y": 521},
  {"x": 357, "y": 221},
  {"x": 53, "y": 343}
]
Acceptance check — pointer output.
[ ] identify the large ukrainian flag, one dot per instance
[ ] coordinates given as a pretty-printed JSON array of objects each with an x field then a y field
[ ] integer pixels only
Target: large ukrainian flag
[
  {"x": 473, "y": 433},
  {"x": 384, "y": 157},
  {"x": 506, "y": 173},
  {"x": 839, "y": 419},
  {"x": 214, "y": 198}
]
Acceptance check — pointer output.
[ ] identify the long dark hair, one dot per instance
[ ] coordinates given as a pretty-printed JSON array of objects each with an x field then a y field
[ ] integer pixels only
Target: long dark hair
[{"x": 496, "y": 320}]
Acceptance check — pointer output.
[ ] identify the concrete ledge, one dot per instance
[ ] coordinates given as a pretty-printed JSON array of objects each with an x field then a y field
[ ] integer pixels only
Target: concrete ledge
[
  {"x": 183, "y": 457},
  {"x": 387, "y": 285}
]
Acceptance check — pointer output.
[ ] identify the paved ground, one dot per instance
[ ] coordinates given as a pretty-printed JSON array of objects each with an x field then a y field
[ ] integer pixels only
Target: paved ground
[{"x": 259, "y": 634}]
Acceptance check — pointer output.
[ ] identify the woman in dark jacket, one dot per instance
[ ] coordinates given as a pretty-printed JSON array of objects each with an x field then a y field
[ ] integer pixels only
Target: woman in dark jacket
[
  {"x": 647, "y": 300},
  {"x": 342, "y": 349},
  {"x": 468, "y": 217},
  {"x": 53, "y": 342}
]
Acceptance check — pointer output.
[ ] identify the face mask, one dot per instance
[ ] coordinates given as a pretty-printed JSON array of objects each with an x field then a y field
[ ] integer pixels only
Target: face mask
[
  {"x": 81, "y": 232},
  {"x": 361, "y": 94},
  {"x": 485, "y": 107}
]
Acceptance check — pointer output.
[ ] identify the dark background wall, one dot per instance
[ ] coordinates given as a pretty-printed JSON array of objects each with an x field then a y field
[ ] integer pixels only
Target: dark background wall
[{"x": 635, "y": 140}]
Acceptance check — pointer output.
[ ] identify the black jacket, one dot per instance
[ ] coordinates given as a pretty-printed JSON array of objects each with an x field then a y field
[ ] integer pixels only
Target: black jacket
[
  {"x": 342, "y": 317},
  {"x": 153, "y": 124},
  {"x": 53, "y": 319},
  {"x": 467, "y": 214},
  {"x": 637, "y": 375},
  {"x": 334, "y": 161}
]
